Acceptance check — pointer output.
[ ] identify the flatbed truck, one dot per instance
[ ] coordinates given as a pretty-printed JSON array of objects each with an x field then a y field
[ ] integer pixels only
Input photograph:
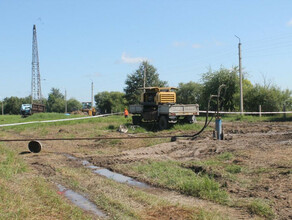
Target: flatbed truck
[{"x": 158, "y": 104}]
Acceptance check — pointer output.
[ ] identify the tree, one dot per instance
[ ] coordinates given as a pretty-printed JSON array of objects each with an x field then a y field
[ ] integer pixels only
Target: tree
[
  {"x": 189, "y": 93},
  {"x": 212, "y": 81},
  {"x": 73, "y": 105},
  {"x": 270, "y": 97},
  {"x": 56, "y": 101},
  {"x": 12, "y": 104},
  {"x": 135, "y": 81},
  {"x": 108, "y": 102}
]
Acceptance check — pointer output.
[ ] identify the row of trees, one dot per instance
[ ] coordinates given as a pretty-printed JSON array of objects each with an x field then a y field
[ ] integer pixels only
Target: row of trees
[
  {"x": 269, "y": 96},
  {"x": 54, "y": 103}
]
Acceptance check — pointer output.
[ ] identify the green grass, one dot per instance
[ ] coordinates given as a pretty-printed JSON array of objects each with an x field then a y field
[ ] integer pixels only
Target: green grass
[
  {"x": 111, "y": 123},
  {"x": 186, "y": 127},
  {"x": 26, "y": 196},
  {"x": 220, "y": 165},
  {"x": 232, "y": 168},
  {"x": 171, "y": 175},
  {"x": 261, "y": 208},
  {"x": 225, "y": 156},
  {"x": 102, "y": 122},
  {"x": 256, "y": 118},
  {"x": 8, "y": 119},
  {"x": 10, "y": 164}
]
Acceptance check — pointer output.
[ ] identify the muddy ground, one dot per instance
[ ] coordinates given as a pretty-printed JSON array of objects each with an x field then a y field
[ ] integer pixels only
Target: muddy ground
[{"x": 263, "y": 150}]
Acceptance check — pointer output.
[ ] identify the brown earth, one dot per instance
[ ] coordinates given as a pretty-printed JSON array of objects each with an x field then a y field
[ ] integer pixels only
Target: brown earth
[
  {"x": 257, "y": 146},
  {"x": 263, "y": 150}
]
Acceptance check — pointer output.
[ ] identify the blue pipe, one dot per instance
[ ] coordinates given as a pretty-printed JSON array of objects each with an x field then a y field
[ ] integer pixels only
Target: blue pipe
[{"x": 218, "y": 128}]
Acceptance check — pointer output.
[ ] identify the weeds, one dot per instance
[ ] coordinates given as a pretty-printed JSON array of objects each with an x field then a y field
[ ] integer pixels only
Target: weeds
[
  {"x": 232, "y": 168},
  {"x": 27, "y": 196},
  {"x": 171, "y": 175},
  {"x": 10, "y": 164},
  {"x": 261, "y": 208},
  {"x": 225, "y": 156}
]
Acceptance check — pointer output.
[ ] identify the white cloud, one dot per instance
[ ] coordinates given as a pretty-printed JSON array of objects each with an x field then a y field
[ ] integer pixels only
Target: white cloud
[
  {"x": 196, "y": 46},
  {"x": 179, "y": 44},
  {"x": 289, "y": 23},
  {"x": 127, "y": 59}
]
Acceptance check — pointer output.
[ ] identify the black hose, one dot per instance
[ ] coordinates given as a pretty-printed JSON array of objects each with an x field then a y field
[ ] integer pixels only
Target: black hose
[{"x": 194, "y": 136}]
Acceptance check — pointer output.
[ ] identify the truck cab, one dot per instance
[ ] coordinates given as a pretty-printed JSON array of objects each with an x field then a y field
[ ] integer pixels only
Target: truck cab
[
  {"x": 88, "y": 108},
  {"x": 25, "y": 109}
]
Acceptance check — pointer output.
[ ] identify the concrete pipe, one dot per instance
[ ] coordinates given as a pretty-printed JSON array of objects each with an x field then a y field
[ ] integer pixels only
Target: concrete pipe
[{"x": 34, "y": 146}]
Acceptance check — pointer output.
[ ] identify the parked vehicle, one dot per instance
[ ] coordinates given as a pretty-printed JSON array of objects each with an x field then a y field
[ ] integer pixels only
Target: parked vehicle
[
  {"x": 159, "y": 105},
  {"x": 90, "y": 110},
  {"x": 29, "y": 109}
]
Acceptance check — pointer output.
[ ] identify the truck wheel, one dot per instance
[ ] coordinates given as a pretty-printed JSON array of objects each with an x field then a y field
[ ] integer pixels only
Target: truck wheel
[
  {"x": 191, "y": 119},
  {"x": 136, "y": 120},
  {"x": 163, "y": 123}
]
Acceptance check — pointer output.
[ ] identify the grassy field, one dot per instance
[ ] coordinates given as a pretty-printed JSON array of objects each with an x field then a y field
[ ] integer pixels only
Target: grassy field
[
  {"x": 28, "y": 180},
  {"x": 171, "y": 175},
  {"x": 8, "y": 119},
  {"x": 24, "y": 195}
]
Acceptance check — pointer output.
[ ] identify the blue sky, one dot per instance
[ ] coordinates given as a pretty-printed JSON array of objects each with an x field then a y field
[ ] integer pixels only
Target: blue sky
[{"x": 103, "y": 41}]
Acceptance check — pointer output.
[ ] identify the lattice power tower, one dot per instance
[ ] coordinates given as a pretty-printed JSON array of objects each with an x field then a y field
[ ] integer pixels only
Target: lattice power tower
[{"x": 36, "y": 93}]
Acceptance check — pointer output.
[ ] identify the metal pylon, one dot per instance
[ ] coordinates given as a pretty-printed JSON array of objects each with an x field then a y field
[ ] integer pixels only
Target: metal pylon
[{"x": 36, "y": 95}]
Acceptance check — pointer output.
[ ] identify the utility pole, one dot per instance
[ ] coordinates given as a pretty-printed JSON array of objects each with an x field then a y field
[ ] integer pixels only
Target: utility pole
[
  {"x": 65, "y": 101},
  {"x": 240, "y": 77},
  {"x": 91, "y": 95},
  {"x": 144, "y": 83},
  {"x": 36, "y": 93}
]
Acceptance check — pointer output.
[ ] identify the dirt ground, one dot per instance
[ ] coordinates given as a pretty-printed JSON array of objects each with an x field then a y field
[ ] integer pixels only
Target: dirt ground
[{"x": 262, "y": 149}]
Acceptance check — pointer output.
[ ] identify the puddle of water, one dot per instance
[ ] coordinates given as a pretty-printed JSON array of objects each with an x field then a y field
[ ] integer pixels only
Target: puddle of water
[
  {"x": 93, "y": 167},
  {"x": 120, "y": 178},
  {"x": 109, "y": 174},
  {"x": 70, "y": 157},
  {"x": 84, "y": 162},
  {"x": 80, "y": 201}
]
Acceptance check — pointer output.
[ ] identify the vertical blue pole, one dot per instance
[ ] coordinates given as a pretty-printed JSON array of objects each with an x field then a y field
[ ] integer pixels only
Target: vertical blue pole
[{"x": 218, "y": 127}]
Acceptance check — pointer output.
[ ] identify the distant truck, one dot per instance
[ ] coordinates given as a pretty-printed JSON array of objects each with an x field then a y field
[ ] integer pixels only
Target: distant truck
[
  {"x": 159, "y": 105},
  {"x": 29, "y": 109},
  {"x": 88, "y": 108}
]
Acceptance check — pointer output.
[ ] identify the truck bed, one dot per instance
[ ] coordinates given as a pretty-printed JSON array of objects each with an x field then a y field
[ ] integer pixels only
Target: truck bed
[
  {"x": 173, "y": 110},
  {"x": 179, "y": 109}
]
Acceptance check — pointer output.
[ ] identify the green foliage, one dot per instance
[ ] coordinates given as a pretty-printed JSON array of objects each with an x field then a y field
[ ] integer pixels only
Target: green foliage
[
  {"x": 135, "y": 81},
  {"x": 108, "y": 102},
  {"x": 56, "y": 101},
  {"x": 12, "y": 105},
  {"x": 212, "y": 81},
  {"x": 73, "y": 105},
  {"x": 270, "y": 97},
  {"x": 189, "y": 93}
]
